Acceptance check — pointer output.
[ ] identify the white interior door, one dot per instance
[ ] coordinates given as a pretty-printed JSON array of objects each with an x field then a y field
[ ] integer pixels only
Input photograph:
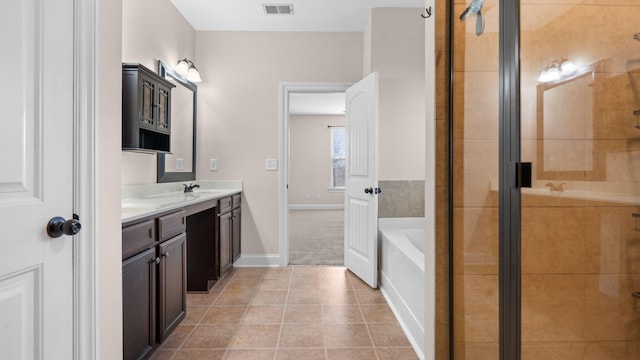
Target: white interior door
[
  {"x": 361, "y": 180},
  {"x": 36, "y": 98}
]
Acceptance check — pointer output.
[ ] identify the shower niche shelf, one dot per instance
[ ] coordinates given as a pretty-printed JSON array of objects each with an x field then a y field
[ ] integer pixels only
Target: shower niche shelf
[{"x": 636, "y": 113}]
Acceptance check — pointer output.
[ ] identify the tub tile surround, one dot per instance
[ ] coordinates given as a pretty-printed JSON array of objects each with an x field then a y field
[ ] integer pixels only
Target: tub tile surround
[
  {"x": 401, "y": 198},
  {"x": 313, "y": 313}
]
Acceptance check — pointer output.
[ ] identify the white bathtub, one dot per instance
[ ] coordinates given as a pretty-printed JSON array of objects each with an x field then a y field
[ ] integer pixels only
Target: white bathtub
[{"x": 401, "y": 264}]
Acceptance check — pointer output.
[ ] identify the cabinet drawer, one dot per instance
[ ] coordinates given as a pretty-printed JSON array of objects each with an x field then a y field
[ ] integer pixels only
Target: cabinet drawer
[
  {"x": 235, "y": 201},
  {"x": 171, "y": 225},
  {"x": 138, "y": 237},
  {"x": 224, "y": 205}
]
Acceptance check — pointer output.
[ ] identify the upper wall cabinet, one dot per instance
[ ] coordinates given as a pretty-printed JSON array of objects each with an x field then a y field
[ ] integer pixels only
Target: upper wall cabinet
[{"x": 146, "y": 110}]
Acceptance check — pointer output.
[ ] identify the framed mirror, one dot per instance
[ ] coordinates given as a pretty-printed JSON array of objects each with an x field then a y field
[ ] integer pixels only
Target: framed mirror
[
  {"x": 566, "y": 126},
  {"x": 180, "y": 163}
]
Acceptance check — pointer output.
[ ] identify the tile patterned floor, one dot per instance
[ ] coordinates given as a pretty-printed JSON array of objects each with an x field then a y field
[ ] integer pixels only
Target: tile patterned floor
[{"x": 309, "y": 313}]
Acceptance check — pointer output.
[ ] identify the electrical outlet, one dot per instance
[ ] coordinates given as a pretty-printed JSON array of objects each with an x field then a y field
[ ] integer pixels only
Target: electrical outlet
[
  {"x": 271, "y": 165},
  {"x": 179, "y": 164},
  {"x": 213, "y": 164}
]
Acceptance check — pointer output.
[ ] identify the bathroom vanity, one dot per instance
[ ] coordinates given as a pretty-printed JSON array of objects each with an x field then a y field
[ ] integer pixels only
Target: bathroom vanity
[{"x": 172, "y": 242}]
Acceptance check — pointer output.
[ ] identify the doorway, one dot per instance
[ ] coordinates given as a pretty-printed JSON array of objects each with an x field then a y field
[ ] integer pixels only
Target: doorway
[
  {"x": 311, "y": 208},
  {"x": 316, "y": 173}
]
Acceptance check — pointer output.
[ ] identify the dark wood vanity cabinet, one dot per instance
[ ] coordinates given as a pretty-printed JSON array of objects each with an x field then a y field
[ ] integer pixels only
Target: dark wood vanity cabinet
[
  {"x": 153, "y": 282},
  {"x": 146, "y": 109},
  {"x": 236, "y": 216},
  {"x": 229, "y": 231}
]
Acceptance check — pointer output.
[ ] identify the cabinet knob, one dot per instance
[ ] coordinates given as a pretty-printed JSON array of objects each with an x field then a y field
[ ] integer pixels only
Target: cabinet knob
[
  {"x": 157, "y": 260},
  {"x": 165, "y": 254}
]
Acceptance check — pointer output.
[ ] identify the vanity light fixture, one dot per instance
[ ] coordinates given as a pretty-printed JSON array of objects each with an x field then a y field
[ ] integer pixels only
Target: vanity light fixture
[
  {"x": 557, "y": 69},
  {"x": 186, "y": 68}
]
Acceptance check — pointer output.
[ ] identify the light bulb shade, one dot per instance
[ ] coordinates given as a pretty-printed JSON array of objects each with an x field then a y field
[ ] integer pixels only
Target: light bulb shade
[
  {"x": 193, "y": 74},
  {"x": 183, "y": 67},
  {"x": 568, "y": 67}
]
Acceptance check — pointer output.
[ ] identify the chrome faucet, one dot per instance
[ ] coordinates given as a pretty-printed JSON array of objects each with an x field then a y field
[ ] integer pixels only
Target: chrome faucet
[
  {"x": 555, "y": 187},
  {"x": 189, "y": 188}
]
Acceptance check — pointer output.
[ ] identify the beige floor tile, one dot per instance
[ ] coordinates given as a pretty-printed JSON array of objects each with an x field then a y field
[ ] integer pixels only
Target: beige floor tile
[
  {"x": 378, "y": 313},
  {"x": 202, "y": 299},
  {"x": 303, "y": 314},
  {"x": 388, "y": 335},
  {"x": 162, "y": 354},
  {"x": 297, "y": 354},
  {"x": 277, "y": 273},
  {"x": 301, "y": 336},
  {"x": 351, "y": 354},
  {"x": 261, "y": 314},
  {"x": 370, "y": 296},
  {"x": 274, "y": 284},
  {"x": 222, "y": 314},
  {"x": 177, "y": 337},
  {"x": 341, "y": 314},
  {"x": 211, "y": 337},
  {"x": 346, "y": 335},
  {"x": 338, "y": 297},
  {"x": 396, "y": 353},
  {"x": 242, "y": 284},
  {"x": 255, "y": 336},
  {"x": 304, "y": 283},
  {"x": 189, "y": 354},
  {"x": 194, "y": 314},
  {"x": 261, "y": 354},
  {"x": 263, "y": 297},
  {"x": 312, "y": 296},
  {"x": 249, "y": 272},
  {"x": 235, "y": 297}
]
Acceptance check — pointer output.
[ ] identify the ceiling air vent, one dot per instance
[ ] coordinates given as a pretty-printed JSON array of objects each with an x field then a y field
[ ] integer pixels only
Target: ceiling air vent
[{"x": 278, "y": 9}]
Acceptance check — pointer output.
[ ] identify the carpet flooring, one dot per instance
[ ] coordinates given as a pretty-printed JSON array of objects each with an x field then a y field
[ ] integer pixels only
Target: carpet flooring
[{"x": 316, "y": 237}]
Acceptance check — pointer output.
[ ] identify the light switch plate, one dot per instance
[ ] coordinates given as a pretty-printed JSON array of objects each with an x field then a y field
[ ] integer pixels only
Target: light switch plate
[
  {"x": 213, "y": 164},
  {"x": 271, "y": 165},
  {"x": 179, "y": 164}
]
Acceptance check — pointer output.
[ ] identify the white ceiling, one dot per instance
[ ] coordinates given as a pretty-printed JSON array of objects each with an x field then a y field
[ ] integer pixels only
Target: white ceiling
[
  {"x": 309, "y": 15},
  {"x": 316, "y": 103}
]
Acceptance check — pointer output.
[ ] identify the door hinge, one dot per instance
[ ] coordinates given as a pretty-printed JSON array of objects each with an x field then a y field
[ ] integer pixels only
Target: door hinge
[{"x": 523, "y": 174}]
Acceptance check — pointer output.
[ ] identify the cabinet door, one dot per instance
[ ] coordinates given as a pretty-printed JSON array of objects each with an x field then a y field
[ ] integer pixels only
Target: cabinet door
[
  {"x": 147, "y": 102},
  {"x": 235, "y": 234},
  {"x": 139, "y": 305},
  {"x": 172, "y": 285},
  {"x": 164, "y": 110},
  {"x": 225, "y": 242}
]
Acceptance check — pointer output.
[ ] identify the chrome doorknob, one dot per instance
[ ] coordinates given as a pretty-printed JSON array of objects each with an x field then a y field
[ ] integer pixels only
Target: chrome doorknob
[{"x": 58, "y": 226}]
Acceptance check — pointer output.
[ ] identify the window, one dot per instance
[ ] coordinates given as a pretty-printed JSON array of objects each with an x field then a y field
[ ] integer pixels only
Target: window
[{"x": 337, "y": 157}]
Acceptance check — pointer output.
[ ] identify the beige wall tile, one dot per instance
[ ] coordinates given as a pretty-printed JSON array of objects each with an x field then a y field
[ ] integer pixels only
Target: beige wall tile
[
  {"x": 553, "y": 241},
  {"x": 475, "y": 241},
  {"x": 612, "y": 244},
  {"x": 609, "y": 308},
  {"x": 553, "y": 308},
  {"x": 476, "y": 308}
]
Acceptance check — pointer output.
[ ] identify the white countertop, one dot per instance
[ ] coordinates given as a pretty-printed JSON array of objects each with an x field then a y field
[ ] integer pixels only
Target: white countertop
[{"x": 140, "y": 201}]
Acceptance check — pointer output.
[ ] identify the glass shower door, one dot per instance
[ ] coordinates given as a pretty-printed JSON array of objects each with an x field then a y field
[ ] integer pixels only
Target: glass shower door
[
  {"x": 580, "y": 232},
  {"x": 475, "y": 114}
]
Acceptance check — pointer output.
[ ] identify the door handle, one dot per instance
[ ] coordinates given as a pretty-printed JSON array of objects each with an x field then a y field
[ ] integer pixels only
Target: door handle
[
  {"x": 368, "y": 190},
  {"x": 58, "y": 226}
]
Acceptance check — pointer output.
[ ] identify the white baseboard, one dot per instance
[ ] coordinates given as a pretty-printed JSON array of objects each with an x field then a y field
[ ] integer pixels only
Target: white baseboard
[
  {"x": 248, "y": 260},
  {"x": 316, "y": 206}
]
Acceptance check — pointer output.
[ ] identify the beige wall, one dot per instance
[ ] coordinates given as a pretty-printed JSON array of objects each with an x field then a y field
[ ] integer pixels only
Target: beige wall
[
  {"x": 108, "y": 241},
  {"x": 239, "y": 109},
  {"x": 310, "y": 157},
  {"x": 152, "y": 30},
  {"x": 395, "y": 45}
]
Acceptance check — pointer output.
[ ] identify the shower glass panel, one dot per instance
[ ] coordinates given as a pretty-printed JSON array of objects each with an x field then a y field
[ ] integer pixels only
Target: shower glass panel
[
  {"x": 580, "y": 239},
  {"x": 475, "y": 181}
]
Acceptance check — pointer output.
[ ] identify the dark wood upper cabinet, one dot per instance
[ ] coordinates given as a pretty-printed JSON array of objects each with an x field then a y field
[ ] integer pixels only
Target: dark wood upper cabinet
[{"x": 146, "y": 110}]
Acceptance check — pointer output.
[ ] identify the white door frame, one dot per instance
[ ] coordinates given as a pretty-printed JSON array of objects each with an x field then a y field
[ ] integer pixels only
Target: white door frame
[
  {"x": 85, "y": 280},
  {"x": 287, "y": 88}
]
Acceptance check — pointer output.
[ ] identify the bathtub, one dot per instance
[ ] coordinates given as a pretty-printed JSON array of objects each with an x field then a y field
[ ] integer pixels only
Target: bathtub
[{"x": 401, "y": 264}]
